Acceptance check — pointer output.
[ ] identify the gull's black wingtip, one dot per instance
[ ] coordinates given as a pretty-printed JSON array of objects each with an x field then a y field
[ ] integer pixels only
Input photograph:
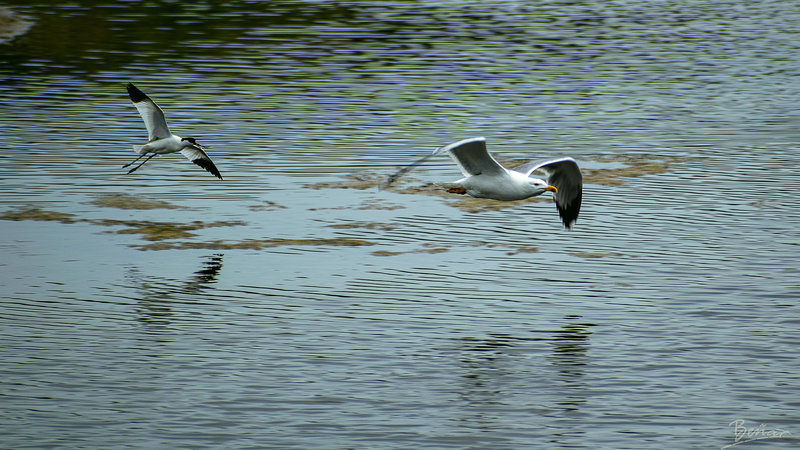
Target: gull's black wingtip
[
  {"x": 136, "y": 95},
  {"x": 569, "y": 212}
]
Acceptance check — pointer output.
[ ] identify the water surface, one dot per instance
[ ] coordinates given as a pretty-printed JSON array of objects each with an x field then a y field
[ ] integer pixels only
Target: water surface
[{"x": 295, "y": 304}]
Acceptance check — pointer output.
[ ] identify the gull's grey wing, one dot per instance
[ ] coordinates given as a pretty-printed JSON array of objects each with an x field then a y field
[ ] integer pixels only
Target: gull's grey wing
[
  {"x": 472, "y": 157},
  {"x": 199, "y": 157},
  {"x": 395, "y": 176},
  {"x": 565, "y": 175},
  {"x": 151, "y": 114}
]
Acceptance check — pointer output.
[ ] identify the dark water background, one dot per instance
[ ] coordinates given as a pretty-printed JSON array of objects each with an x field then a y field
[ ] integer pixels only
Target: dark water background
[{"x": 295, "y": 304}]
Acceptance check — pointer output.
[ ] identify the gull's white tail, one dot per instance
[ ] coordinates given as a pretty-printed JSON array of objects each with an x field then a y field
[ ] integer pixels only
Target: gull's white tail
[{"x": 138, "y": 149}]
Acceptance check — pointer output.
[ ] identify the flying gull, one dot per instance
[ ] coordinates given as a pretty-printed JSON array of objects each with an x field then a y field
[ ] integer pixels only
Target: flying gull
[
  {"x": 160, "y": 140},
  {"x": 484, "y": 177}
]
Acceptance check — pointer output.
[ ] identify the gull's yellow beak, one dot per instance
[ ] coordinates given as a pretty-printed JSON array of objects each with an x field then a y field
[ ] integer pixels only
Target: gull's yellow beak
[{"x": 551, "y": 189}]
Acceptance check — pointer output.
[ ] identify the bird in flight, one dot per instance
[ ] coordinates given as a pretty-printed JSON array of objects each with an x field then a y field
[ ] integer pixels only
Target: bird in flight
[
  {"x": 484, "y": 177},
  {"x": 160, "y": 140}
]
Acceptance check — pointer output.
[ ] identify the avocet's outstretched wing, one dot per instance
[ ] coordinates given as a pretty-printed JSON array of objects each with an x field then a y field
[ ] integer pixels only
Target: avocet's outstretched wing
[
  {"x": 196, "y": 155},
  {"x": 151, "y": 114},
  {"x": 564, "y": 174}
]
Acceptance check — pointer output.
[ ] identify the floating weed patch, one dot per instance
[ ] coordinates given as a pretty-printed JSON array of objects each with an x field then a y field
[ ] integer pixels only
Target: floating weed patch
[
  {"x": 634, "y": 166},
  {"x": 477, "y": 205},
  {"x": 39, "y": 215},
  {"x": 266, "y": 205},
  {"x": 512, "y": 249},
  {"x": 428, "y": 188},
  {"x": 379, "y": 205},
  {"x": 521, "y": 249},
  {"x": 763, "y": 203},
  {"x": 254, "y": 244},
  {"x": 387, "y": 253},
  {"x": 620, "y": 176},
  {"x": 317, "y": 241},
  {"x": 594, "y": 255},
  {"x": 159, "y": 231},
  {"x": 365, "y": 225},
  {"x": 122, "y": 201},
  {"x": 151, "y": 231},
  {"x": 352, "y": 181},
  {"x": 429, "y": 250}
]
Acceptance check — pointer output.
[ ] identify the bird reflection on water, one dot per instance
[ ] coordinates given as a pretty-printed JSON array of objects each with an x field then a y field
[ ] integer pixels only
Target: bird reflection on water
[
  {"x": 568, "y": 356},
  {"x": 495, "y": 363},
  {"x": 158, "y": 294}
]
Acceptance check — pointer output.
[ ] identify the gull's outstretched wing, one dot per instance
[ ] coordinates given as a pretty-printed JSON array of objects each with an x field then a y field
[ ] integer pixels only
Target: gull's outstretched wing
[
  {"x": 472, "y": 157},
  {"x": 395, "y": 176},
  {"x": 151, "y": 114},
  {"x": 565, "y": 175},
  {"x": 199, "y": 157}
]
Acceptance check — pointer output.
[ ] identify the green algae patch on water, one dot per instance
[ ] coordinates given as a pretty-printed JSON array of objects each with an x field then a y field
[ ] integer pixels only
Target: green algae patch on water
[
  {"x": 255, "y": 244},
  {"x": 39, "y": 215},
  {"x": 149, "y": 230},
  {"x": 427, "y": 248},
  {"x": 364, "y": 225},
  {"x": 511, "y": 249},
  {"x": 174, "y": 235},
  {"x": 266, "y": 205},
  {"x": 477, "y": 205},
  {"x": 633, "y": 166},
  {"x": 159, "y": 231},
  {"x": 123, "y": 201},
  {"x": 379, "y": 205},
  {"x": 424, "y": 188},
  {"x": 595, "y": 255},
  {"x": 351, "y": 181}
]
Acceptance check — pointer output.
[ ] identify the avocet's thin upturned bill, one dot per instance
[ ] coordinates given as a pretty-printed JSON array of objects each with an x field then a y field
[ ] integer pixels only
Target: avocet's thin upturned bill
[
  {"x": 160, "y": 140},
  {"x": 486, "y": 178}
]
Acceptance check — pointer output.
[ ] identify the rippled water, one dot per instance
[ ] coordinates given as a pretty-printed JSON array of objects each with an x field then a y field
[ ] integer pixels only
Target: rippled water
[{"x": 295, "y": 304}]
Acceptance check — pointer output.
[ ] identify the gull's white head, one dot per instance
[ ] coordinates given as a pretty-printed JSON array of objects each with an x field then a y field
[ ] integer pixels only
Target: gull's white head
[{"x": 541, "y": 186}]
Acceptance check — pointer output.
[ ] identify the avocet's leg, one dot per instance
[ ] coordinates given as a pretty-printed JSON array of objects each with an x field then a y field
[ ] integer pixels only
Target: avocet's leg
[
  {"x": 140, "y": 157},
  {"x": 142, "y": 163}
]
